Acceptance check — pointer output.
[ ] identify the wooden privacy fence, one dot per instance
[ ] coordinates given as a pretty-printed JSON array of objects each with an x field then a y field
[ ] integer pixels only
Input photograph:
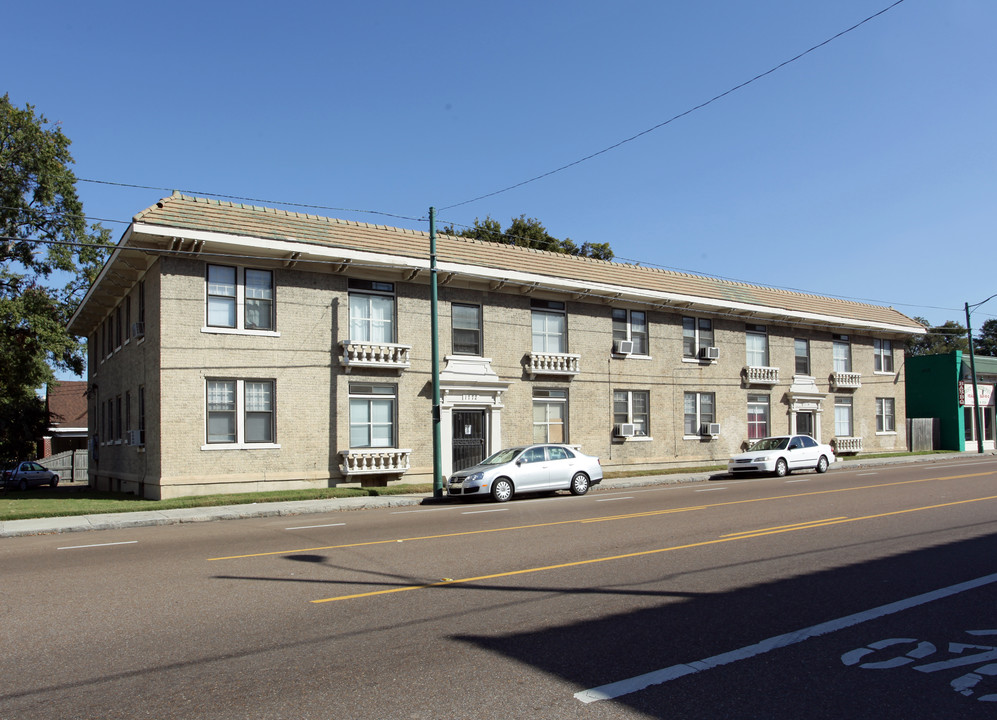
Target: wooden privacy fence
[
  {"x": 923, "y": 434},
  {"x": 71, "y": 465}
]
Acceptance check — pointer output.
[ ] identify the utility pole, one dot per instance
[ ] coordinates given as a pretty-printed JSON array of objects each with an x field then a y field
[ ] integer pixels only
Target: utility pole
[
  {"x": 435, "y": 330},
  {"x": 976, "y": 392}
]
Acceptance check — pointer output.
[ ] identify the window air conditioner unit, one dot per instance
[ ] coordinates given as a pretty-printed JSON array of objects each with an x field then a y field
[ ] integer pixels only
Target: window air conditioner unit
[
  {"x": 626, "y": 430},
  {"x": 710, "y": 429},
  {"x": 135, "y": 437},
  {"x": 624, "y": 347},
  {"x": 709, "y": 353},
  {"x": 138, "y": 329}
]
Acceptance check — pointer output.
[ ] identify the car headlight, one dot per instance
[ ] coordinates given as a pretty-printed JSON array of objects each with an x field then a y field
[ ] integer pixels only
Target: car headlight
[
  {"x": 475, "y": 477},
  {"x": 762, "y": 458}
]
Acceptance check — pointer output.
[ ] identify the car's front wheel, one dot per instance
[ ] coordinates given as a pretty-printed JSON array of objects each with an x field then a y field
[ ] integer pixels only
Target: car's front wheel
[
  {"x": 22, "y": 484},
  {"x": 781, "y": 468},
  {"x": 55, "y": 481},
  {"x": 580, "y": 484},
  {"x": 502, "y": 490},
  {"x": 822, "y": 464}
]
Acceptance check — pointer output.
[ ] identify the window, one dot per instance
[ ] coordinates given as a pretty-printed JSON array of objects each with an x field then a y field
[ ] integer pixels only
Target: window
[
  {"x": 842, "y": 353},
  {"x": 883, "y": 350},
  {"x": 843, "y": 416},
  {"x": 533, "y": 455},
  {"x": 631, "y": 325},
  {"x": 758, "y": 416},
  {"x": 633, "y": 407},
  {"x": 128, "y": 413},
  {"x": 802, "y": 349},
  {"x": 239, "y": 412},
  {"x": 699, "y": 411},
  {"x": 757, "y": 341},
  {"x": 549, "y": 413},
  {"x": 885, "y": 418},
  {"x": 372, "y": 415},
  {"x": 117, "y": 327},
  {"x": 697, "y": 333},
  {"x": 550, "y": 327},
  {"x": 141, "y": 412},
  {"x": 141, "y": 302},
  {"x": 372, "y": 311},
  {"x": 466, "y": 321},
  {"x": 238, "y": 298},
  {"x": 128, "y": 317}
]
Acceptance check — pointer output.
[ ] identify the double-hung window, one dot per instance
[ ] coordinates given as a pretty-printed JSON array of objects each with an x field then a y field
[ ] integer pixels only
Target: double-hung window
[
  {"x": 697, "y": 333},
  {"x": 240, "y": 412},
  {"x": 841, "y": 350},
  {"x": 801, "y": 348},
  {"x": 550, "y": 326},
  {"x": 843, "y": 416},
  {"x": 372, "y": 415},
  {"x": 700, "y": 410},
  {"x": 630, "y": 325},
  {"x": 883, "y": 354},
  {"x": 885, "y": 415},
  {"x": 372, "y": 311},
  {"x": 550, "y": 409},
  {"x": 757, "y": 346},
  {"x": 239, "y": 298},
  {"x": 633, "y": 407},
  {"x": 466, "y": 329},
  {"x": 758, "y": 416}
]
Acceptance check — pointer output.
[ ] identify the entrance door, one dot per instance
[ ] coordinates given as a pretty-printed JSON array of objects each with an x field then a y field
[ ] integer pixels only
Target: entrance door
[
  {"x": 805, "y": 423},
  {"x": 468, "y": 438}
]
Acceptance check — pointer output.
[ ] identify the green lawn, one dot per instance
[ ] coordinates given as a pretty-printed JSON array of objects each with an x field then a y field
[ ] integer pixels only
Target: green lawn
[{"x": 67, "y": 500}]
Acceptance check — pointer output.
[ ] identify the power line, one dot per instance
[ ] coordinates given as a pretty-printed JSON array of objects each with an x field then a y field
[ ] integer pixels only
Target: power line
[{"x": 676, "y": 117}]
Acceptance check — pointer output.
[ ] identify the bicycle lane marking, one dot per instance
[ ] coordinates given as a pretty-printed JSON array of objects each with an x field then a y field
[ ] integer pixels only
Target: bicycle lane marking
[{"x": 659, "y": 677}]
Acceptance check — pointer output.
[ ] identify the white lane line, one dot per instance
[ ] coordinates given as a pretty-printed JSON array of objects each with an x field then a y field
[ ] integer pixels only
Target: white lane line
[
  {"x": 658, "y": 677},
  {"x": 309, "y": 527},
  {"x": 799, "y": 480},
  {"x": 80, "y": 547},
  {"x": 711, "y": 489},
  {"x": 628, "y": 497},
  {"x": 478, "y": 512},
  {"x": 868, "y": 473}
]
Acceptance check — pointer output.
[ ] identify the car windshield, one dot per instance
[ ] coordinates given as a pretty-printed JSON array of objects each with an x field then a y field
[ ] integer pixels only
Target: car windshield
[
  {"x": 502, "y": 456},
  {"x": 776, "y": 443}
]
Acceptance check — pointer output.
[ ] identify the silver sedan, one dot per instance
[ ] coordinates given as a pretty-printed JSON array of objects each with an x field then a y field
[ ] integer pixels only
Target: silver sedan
[{"x": 530, "y": 468}]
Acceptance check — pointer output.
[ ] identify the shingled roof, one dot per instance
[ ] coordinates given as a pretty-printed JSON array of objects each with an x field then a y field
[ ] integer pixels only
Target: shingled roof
[{"x": 186, "y": 216}]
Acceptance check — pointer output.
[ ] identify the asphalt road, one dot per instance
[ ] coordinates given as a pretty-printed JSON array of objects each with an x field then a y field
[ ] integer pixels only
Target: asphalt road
[{"x": 855, "y": 594}]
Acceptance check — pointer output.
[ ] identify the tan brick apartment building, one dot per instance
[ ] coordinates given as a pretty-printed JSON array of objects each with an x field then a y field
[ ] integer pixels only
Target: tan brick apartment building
[{"x": 237, "y": 348}]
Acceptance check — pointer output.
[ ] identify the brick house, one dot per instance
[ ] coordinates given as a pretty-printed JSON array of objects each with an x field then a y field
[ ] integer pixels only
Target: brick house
[
  {"x": 238, "y": 348},
  {"x": 66, "y": 408}
]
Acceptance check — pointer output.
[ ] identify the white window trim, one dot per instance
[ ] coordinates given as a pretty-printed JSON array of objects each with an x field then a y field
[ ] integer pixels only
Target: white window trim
[
  {"x": 630, "y": 335},
  {"x": 696, "y": 360},
  {"x": 699, "y": 412},
  {"x": 630, "y": 417},
  {"x": 240, "y": 304},
  {"x": 240, "y": 416}
]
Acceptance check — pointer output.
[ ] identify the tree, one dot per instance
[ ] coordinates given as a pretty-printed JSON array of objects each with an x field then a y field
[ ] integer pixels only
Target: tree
[
  {"x": 986, "y": 342},
  {"x": 940, "y": 339},
  {"x": 48, "y": 258},
  {"x": 530, "y": 232}
]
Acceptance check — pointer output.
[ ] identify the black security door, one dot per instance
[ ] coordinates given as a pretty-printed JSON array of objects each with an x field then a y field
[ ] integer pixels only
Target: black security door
[{"x": 468, "y": 438}]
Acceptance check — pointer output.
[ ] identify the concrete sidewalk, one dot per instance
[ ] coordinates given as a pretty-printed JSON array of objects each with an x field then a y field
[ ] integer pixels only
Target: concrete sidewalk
[{"x": 116, "y": 521}]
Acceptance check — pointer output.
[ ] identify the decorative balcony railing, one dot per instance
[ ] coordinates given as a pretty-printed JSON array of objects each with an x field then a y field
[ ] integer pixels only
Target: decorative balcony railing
[
  {"x": 761, "y": 375},
  {"x": 370, "y": 461},
  {"x": 847, "y": 444},
  {"x": 374, "y": 355},
  {"x": 543, "y": 363},
  {"x": 846, "y": 380}
]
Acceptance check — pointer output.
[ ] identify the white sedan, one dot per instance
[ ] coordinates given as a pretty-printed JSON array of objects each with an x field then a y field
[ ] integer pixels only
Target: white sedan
[{"x": 781, "y": 455}]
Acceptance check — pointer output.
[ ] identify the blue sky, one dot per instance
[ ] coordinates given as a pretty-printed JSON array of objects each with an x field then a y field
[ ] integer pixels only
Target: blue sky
[{"x": 864, "y": 170}]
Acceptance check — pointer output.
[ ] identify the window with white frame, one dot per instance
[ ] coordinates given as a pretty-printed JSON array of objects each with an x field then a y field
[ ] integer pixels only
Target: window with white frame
[
  {"x": 373, "y": 416},
  {"x": 239, "y": 298},
  {"x": 801, "y": 349},
  {"x": 885, "y": 415},
  {"x": 843, "y": 416},
  {"x": 372, "y": 311},
  {"x": 841, "y": 351},
  {"x": 757, "y": 345},
  {"x": 883, "y": 354},
  {"x": 550, "y": 411},
  {"x": 700, "y": 409},
  {"x": 697, "y": 333},
  {"x": 758, "y": 416},
  {"x": 633, "y": 407},
  {"x": 550, "y": 326},
  {"x": 630, "y": 325},
  {"x": 240, "y": 412},
  {"x": 466, "y": 327}
]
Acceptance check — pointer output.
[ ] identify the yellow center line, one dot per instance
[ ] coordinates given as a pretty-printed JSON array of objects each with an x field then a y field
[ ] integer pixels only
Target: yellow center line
[
  {"x": 596, "y": 519},
  {"x": 794, "y": 526},
  {"x": 642, "y": 553}
]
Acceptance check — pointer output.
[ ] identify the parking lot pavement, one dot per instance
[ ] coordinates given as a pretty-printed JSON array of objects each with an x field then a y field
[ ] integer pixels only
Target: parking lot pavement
[{"x": 110, "y": 521}]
